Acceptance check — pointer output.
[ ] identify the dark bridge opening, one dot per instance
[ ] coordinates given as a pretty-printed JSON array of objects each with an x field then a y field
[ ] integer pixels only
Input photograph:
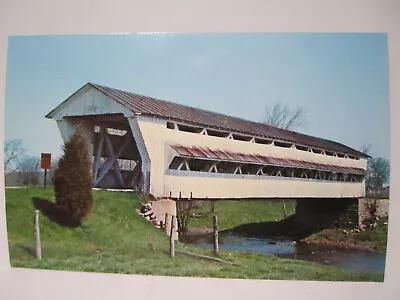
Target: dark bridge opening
[{"x": 116, "y": 159}]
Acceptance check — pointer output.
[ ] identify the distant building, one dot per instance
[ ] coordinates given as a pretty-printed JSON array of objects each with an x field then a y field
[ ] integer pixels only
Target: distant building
[{"x": 171, "y": 151}]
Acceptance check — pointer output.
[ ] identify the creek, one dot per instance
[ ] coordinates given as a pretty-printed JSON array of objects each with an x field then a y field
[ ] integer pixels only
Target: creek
[{"x": 350, "y": 259}]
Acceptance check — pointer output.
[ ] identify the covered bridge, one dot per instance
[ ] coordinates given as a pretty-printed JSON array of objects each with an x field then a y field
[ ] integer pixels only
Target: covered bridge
[{"x": 171, "y": 151}]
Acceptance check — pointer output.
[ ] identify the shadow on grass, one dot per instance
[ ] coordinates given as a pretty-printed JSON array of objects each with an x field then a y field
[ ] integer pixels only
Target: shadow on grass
[
  {"x": 29, "y": 250},
  {"x": 54, "y": 212},
  {"x": 284, "y": 229}
]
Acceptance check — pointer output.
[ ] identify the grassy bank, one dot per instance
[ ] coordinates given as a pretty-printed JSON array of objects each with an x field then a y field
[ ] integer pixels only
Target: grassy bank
[
  {"x": 116, "y": 239},
  {"x": 371, "y": 238},
  {"x": 234, "y": 213}
]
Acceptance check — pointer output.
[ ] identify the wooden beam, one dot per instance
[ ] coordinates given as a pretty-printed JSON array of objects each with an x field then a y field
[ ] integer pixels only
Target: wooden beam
[
  {"x": 112, "y": 159},
  {"x": 98, "y": 154},
  {"x": 204, "y": 131}
]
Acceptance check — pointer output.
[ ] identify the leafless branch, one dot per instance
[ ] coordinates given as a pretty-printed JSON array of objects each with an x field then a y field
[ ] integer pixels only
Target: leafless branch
[
  {"x": 13, "y": 150},
  {"x": 281, "y": 116}
]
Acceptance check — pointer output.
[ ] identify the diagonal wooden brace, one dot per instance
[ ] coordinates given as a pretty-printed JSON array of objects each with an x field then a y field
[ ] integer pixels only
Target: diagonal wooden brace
[{"x": 112, "y": 160}]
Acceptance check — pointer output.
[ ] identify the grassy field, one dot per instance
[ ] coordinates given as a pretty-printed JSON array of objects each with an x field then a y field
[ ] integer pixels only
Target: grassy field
[
  {"x": 116, "y": 239},
  {"x": 234, "y": 213}
]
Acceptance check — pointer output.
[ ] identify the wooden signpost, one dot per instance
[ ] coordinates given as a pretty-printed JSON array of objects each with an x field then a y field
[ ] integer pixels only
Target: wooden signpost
[{"x": 45, "y": 163}]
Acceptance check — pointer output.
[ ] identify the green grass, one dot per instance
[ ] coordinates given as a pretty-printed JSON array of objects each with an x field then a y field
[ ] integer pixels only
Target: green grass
[
  {"x": 375, "y": 238},
  {"x": 234, "y": 213},
  {"x": 115, "y": 239}
]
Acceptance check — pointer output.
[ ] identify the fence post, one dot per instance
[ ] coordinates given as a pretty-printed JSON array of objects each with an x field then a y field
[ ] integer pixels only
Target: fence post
[
  {"x": 215, "y": 230},
  {"x": 38, "y": 249},
  {"x": 284, "y": 208},
  {"x": 166, "y": 223},
  {"x": 172, "y": 238}
]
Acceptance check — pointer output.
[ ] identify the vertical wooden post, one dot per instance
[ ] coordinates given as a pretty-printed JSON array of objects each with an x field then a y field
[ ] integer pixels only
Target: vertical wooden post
[
  {"x": 38, "y": 249},
  {"x": 172, "y": 238},
  {"x": 45, "y": 177},
  {"x": 215, "y": 229},
  {"x": 212, "y": 206},
  {"x": 166, "y": 222},
  {"x": 284, "y": 208}
]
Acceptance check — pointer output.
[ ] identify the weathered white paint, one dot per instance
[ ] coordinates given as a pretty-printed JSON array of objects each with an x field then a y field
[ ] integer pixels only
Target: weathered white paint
[
  {"x": 68, "y": 127},
  {"x": 144, "y": 154},
  {"x": 88, "y": 101}
]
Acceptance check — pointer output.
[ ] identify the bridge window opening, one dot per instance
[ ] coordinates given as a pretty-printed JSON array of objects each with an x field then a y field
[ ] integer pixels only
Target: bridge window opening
[
  {"x": 318, "y": 151},
  {"x": 227, "y": 168},
  {"x": 191, "y": 129},
  {"x": 242, "y": 137},
  {"x": 302, "y": 148},
  {"x": 213, "y": 168},
  {"x": 118, "y": 132},
  {"x": 175, "y": 163},
  {"x": 262, "y": 141},
  {"x": 127, "y": 164},
  {"x": 282, "y": 144},
  {"x": 250, "y": 169},
  {"x": 199, "y": 165},
  {"x": 170, "y": 125},
  {"x": 329, "y": 153},
  {"x": 217, "y": 133},
  {"x": 238, "y": 170},
  {"x": 251, "y": 139},
  {"x": 297, "y": 173}
]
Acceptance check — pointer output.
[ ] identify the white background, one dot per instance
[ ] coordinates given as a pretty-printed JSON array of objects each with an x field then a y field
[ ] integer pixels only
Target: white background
[{"x": 71, "y": 17}]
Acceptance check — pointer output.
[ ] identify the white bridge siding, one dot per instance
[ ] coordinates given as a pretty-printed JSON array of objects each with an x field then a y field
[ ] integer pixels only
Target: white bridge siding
[
  {"x": 153, "y": 141},
  {"x": 282, "y": 187},
  {"x": 158, "y": 138},
  {"x": 88, "y": 101}
]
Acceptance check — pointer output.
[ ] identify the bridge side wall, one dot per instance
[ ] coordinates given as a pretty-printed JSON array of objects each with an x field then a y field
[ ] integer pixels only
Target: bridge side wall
[{"x": 158, "y": 138}]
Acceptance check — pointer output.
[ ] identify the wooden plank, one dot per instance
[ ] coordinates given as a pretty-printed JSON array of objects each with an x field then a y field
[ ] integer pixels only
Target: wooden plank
[{"x": 98, "y": 153}]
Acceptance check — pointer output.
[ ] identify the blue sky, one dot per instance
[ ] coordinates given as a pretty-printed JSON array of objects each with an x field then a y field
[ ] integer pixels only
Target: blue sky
[{"x": 340, "y": 80}]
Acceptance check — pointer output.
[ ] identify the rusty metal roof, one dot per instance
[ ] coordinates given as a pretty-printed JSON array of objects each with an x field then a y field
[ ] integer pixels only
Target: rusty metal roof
[
  {"x": 223, "y": 155},
  {"x": 154, "y": 107}
]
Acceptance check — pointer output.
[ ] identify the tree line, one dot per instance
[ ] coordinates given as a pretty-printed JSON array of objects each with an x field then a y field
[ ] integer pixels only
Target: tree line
[{"x": 22, "y": 169}]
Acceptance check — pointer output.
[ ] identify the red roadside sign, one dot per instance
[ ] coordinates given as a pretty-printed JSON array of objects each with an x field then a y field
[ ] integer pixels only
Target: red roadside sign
[{"x": 45, "y": 161}]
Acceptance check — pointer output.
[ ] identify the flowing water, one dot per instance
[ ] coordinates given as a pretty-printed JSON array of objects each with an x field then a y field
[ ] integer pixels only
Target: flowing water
[{"x": 329, "y": 255}]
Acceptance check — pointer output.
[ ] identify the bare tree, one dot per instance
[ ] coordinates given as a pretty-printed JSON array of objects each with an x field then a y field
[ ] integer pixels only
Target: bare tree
[
  {"x": 366, "y": 149},
  {"x": 13, "y": 151},
  {"x": 281, "y": 116},
  {"x": 28, "y": 168}
]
